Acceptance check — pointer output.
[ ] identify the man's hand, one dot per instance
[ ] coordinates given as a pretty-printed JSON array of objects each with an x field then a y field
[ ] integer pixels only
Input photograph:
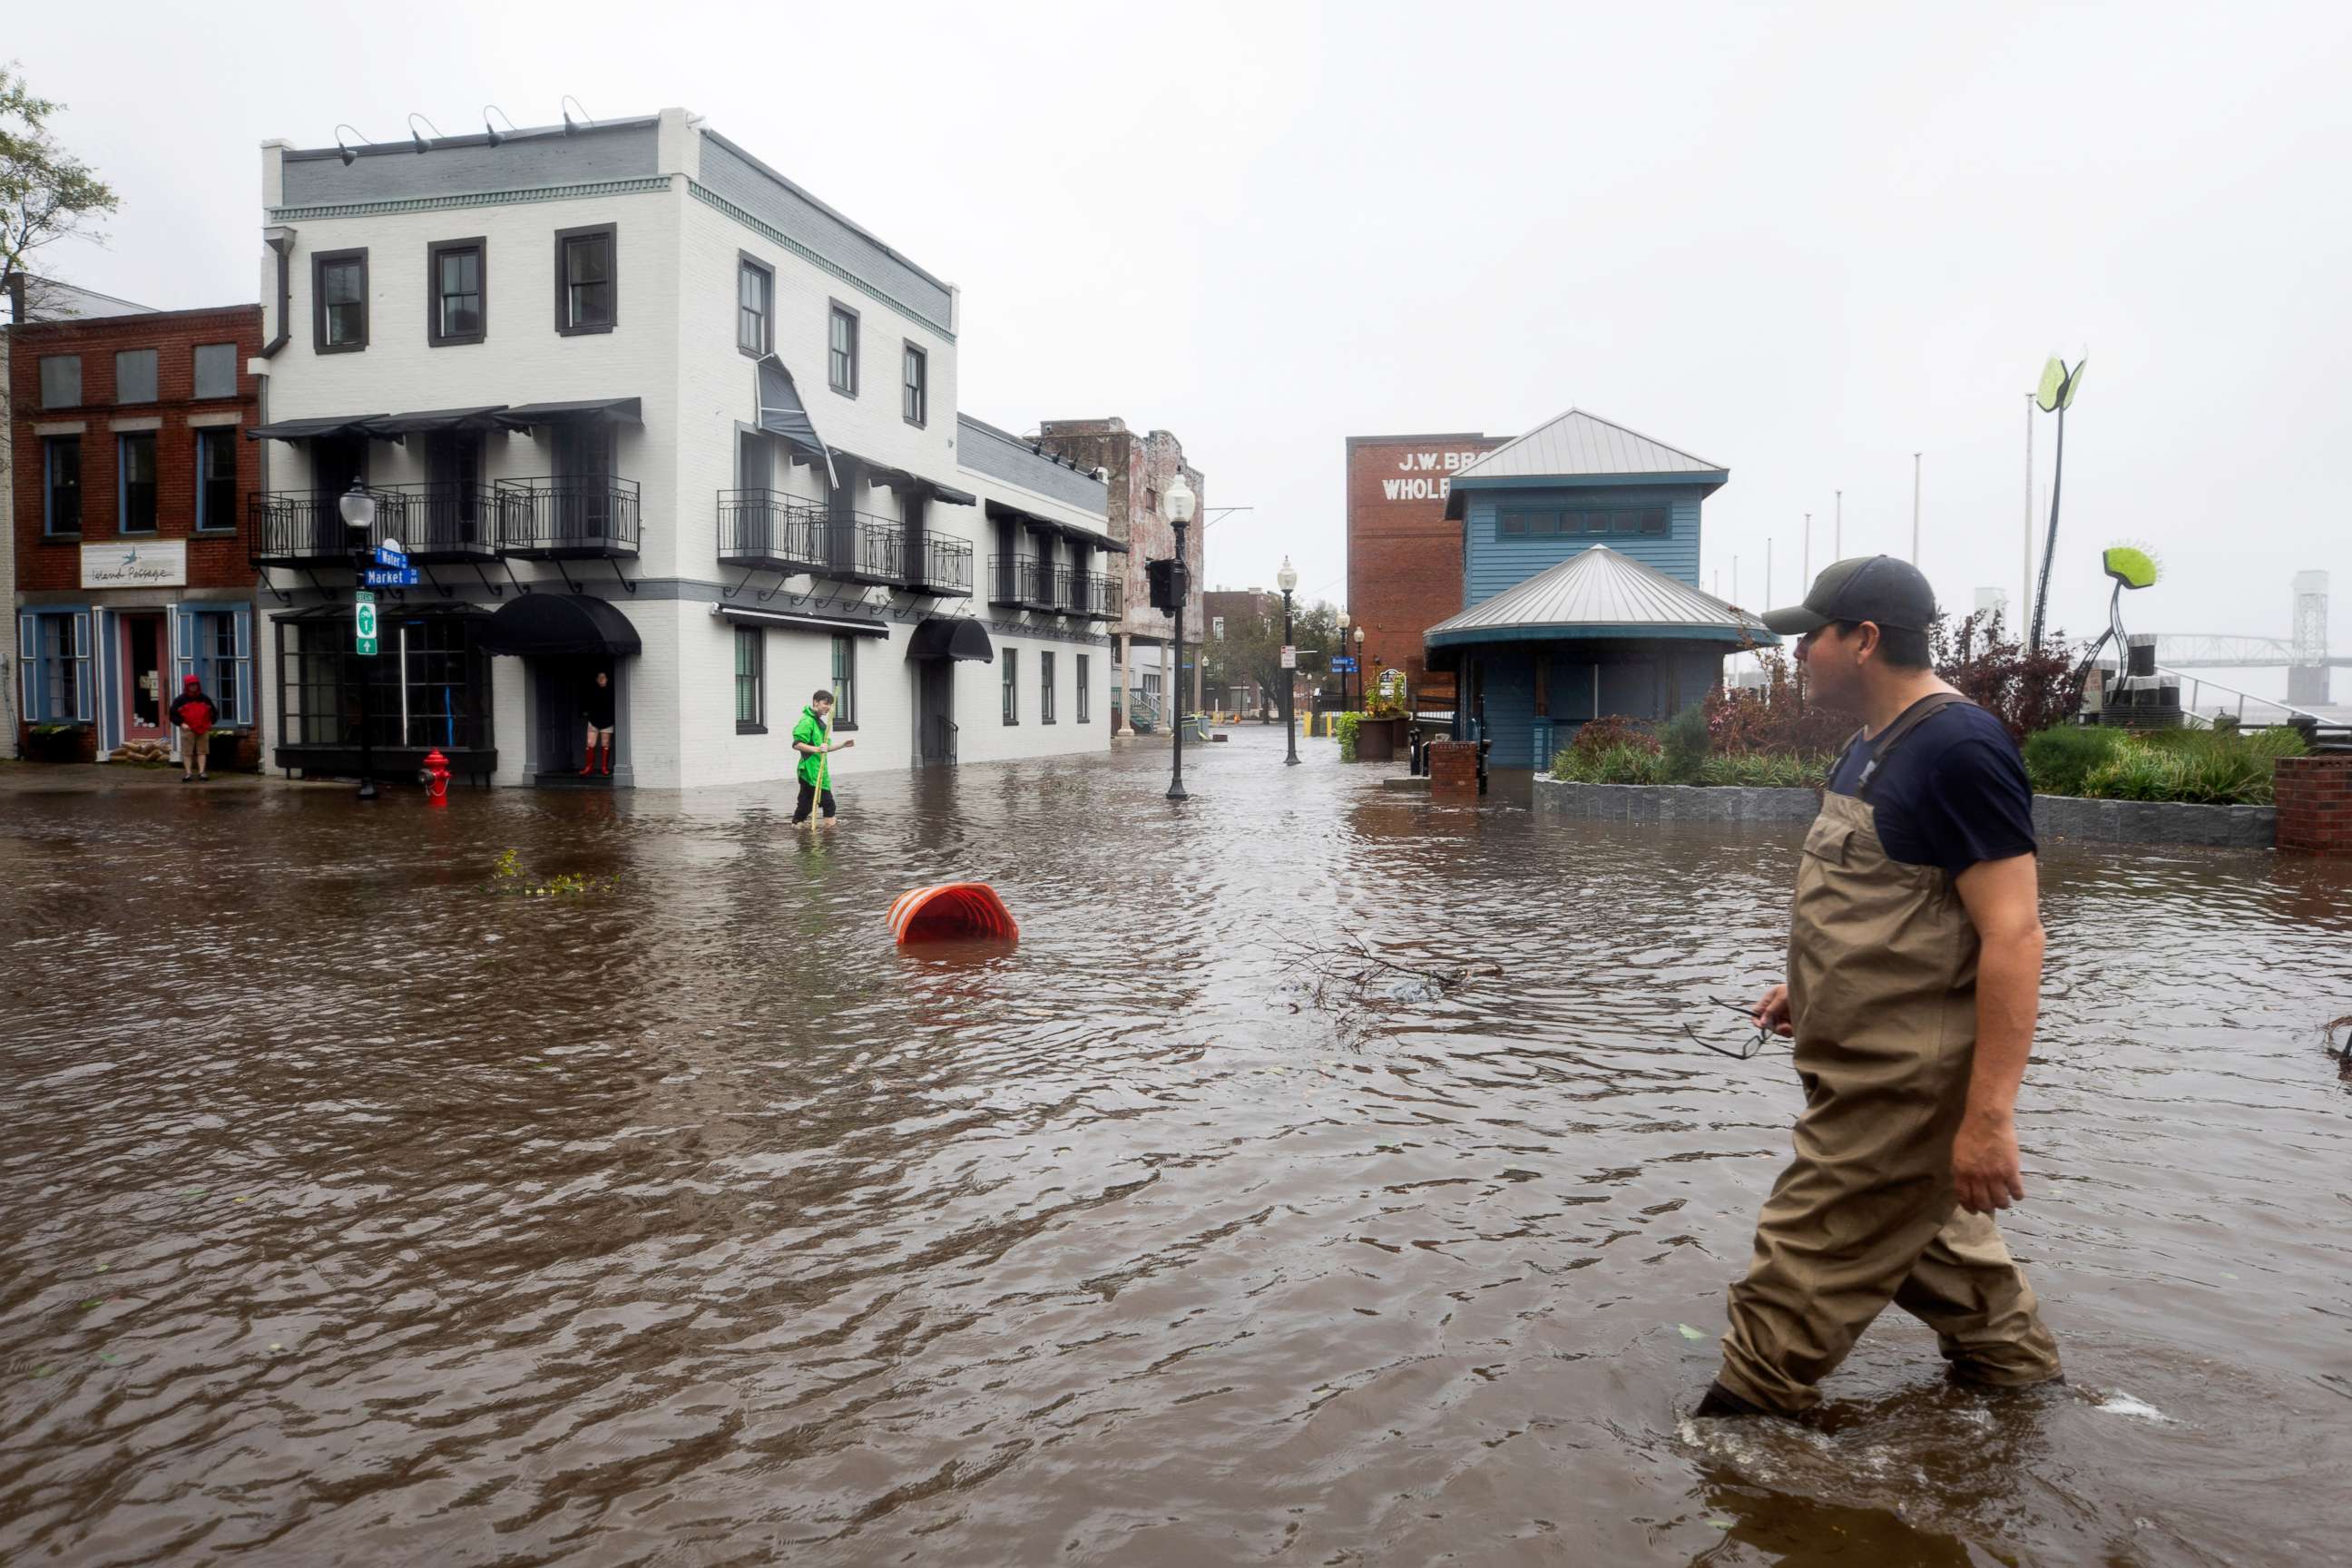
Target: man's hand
[
  {"x": 1772, "y": 1013},
  {"x": 1984, "y": 1163},
  {"x": 847, "y": 740}
]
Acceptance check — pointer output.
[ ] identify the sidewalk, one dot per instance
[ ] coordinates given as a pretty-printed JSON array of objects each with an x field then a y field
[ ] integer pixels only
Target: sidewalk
[{"x": 17, "y": 777}]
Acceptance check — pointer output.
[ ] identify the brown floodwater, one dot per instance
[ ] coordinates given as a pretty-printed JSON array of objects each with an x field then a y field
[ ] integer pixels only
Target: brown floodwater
[{"x": 350, "y": 1212}]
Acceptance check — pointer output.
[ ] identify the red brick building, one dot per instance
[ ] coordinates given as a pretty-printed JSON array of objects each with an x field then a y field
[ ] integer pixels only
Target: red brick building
[
  {"x": 128, "y": 472},
  {"x": 1405, "y": 559}
]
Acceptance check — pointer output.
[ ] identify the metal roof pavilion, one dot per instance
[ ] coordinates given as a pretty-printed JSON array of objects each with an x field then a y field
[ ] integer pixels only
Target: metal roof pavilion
[
  {"x": 1580, "y": 449},
  {"x": 1600, "y": 593}
]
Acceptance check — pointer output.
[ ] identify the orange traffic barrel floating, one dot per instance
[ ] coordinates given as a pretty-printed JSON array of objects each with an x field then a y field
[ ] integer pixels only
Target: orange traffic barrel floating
[{"x": 952, "y": 910}]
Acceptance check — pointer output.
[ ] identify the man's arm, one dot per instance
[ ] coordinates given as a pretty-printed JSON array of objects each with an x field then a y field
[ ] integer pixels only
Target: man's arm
[{"x": 2004, "y": 900}]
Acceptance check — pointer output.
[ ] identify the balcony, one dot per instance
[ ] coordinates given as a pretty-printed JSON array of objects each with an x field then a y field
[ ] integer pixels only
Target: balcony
[
  {"x": 447, "y": 522},
  {"x": 945, "y": 567},
  {"x": 568, "y": 519},
  {"x": 769, "y": 531},
  {"x": 1097, "y": 596},
  {"x": 863, "y": 548},
  {"x": 1021, "y": 583},
  {"x": 303, "y": 528}
]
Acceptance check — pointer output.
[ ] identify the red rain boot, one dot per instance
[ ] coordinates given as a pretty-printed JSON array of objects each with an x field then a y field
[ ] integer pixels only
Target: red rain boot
[
  {"x": 608, "y": 759},
  {"x": 589, "y": 766}
]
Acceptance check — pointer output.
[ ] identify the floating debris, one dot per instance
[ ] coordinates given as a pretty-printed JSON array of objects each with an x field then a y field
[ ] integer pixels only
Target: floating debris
[
  {"x": 1690, "y": 1333},
  {"x": 2121, "y": 1404}
]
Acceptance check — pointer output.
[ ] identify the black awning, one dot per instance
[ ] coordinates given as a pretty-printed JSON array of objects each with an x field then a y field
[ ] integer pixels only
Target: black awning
[
  {"x": 1002, "y": 512},
  {"x": 560, "y": 624},
  {"x": 954, "y": 497},
  {"x": 427, "y": 421},
  {"x": 782, "y": 413},
  {"x": 833, "y": 626},
  {"x": 952, "y": 637},
  {"x": 580, "y": 411},
  {"x": 312, "y": 429}
]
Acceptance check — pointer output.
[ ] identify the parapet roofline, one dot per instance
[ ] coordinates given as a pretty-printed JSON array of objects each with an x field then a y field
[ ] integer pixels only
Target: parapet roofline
[
  {"x": 851, "y": 223},
  {"x": 476, "y": 139}
]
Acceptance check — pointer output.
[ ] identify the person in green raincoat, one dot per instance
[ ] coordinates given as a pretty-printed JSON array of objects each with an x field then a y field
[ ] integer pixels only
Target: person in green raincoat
[{"x": 812, "y": 739}]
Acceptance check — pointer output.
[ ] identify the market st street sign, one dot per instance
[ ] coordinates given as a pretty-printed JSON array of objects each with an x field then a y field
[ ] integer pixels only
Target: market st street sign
[{"x": 149, "y": 563}]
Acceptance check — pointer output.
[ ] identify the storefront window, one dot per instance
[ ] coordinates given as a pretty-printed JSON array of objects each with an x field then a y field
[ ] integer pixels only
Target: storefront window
[{"x": 428, "y": 685}]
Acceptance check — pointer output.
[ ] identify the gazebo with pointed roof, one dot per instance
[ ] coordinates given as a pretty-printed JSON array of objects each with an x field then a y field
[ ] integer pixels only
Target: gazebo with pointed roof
[{"x": 1581, "y": 597}]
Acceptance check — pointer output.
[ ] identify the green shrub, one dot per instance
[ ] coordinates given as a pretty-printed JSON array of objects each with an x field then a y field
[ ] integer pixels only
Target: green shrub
[
  {"x": 2058, "y": 759},
  {"x": 2202, "y": 767},
  {"x": 1598, "y": 736},
  {"x": 1347, "y": 731},
  {"x": 1685, "y": 745},
  {"x": 1623, "y": 763},
  {"x": 1766, "y": 770}
]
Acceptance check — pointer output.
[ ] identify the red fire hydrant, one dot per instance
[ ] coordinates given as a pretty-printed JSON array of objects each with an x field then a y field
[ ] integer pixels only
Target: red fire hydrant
[{"x": 437, "y": 778}]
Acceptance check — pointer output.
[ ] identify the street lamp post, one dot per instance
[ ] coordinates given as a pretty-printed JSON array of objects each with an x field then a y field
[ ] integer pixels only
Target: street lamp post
[
  {"x": 358, "y": 507},
  {"x": 1180, "y": 501},
  {"x": 1343, "y": 669},
  {"x": 1288, "y": 579},
  {"x": 1362, "y": 690}
]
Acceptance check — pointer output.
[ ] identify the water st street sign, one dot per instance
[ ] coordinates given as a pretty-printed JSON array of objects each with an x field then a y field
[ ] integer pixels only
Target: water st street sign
[
  {"x": 363, "y": 621},
  {"x": 390, "y": 576},
  {"x": 392, "y": 553}
]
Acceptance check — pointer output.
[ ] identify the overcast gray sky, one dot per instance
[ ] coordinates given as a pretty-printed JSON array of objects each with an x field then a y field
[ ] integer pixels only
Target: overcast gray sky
[{"x": 1802, "y": 242}]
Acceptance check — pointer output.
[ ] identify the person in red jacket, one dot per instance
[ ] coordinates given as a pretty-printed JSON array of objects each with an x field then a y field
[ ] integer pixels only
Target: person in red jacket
[{"x": 192, "y": 712}]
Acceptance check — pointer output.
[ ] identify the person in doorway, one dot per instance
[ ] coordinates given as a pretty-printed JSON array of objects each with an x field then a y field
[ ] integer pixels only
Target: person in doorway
[
  {"x": 596, "y": 708},
  {"x": 1914, "y": 966},
  {"x": 812, "y": 739},
  {"x": 192, "y": 712}
]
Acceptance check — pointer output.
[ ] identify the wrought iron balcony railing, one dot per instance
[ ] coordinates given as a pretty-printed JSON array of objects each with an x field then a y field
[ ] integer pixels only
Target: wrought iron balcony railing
[
  {"x": 553, "y": 518},
  {"x": 772, "y": 531},
  {"x": 945, "y": 567},
  {"x": 440, "y": 521},
  {"x": 1021, "y": 582},
  {"x": 305, "y": 528},
  {"x": 864, "y": 549},
  {"x": 1097, "y": 596}
]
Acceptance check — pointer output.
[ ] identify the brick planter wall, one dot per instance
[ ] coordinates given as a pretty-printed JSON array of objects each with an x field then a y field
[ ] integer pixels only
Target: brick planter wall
[
  {"x": 1452, "y": 769},
  {"x": 2314, "y": 803}
]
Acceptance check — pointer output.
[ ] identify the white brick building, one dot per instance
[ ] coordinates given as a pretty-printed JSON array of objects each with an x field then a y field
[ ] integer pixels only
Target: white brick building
[{"x": 632, "y": 400}]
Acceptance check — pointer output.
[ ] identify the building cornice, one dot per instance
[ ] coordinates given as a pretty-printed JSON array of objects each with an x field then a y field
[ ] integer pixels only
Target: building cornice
[{"x": 471, "y": 199}]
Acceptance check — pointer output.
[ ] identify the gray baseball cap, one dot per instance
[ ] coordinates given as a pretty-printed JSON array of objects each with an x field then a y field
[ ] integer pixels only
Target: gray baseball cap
[{"x": 1862, "y": 588}]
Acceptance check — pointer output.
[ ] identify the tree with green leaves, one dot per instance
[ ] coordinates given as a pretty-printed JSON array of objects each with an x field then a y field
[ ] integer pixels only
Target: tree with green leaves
[
  {"x": 45, "y": 193},
  {"x": 1251, "y": 649}
]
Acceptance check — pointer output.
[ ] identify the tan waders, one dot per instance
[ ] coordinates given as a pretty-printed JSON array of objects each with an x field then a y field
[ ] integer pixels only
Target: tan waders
[{"x": 1882, "y": 995}]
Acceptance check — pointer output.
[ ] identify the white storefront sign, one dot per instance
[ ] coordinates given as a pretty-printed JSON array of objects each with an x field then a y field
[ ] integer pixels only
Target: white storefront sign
[{"x": 143, "y": 564}]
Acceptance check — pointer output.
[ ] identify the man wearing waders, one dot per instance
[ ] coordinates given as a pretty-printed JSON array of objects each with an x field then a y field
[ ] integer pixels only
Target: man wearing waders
[{"x": 1915, "y": 961}]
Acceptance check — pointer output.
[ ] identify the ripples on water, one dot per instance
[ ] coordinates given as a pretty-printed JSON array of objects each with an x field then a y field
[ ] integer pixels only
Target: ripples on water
[{"x": 349, "y": 1213}]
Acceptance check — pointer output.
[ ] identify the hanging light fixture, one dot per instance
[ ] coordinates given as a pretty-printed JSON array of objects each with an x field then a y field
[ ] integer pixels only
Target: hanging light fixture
[
  {"x": 413, "y": 136},
  {"x": 348, "y": 154},
  {"x": 491, "y": 130}
]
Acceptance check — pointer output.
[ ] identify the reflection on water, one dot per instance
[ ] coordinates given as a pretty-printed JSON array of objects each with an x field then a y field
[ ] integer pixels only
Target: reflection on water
[{"x": 351, "y": 1211}]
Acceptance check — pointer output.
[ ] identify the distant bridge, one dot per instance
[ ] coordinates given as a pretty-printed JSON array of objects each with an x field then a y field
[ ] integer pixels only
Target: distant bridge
[{"x": 2202, "y": 651}]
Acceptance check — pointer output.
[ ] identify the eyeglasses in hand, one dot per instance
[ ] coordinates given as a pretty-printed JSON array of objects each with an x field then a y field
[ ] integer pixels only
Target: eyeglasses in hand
[{"x": 1747, "y": 1049}]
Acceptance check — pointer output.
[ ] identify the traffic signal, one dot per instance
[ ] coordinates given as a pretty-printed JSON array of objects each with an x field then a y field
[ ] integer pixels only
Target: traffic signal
[{"x": 1161, "y": 575}]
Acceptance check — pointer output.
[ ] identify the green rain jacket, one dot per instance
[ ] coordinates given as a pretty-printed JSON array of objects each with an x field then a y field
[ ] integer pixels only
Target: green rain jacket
[{"x": 811, "y": 732}]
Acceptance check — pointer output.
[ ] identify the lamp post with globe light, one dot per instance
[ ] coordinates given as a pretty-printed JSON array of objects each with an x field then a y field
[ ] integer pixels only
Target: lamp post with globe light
[
  {"x": 1288, "y": 579},
  {"x": 358, "y": 508},
  {"x": 1362, "y": 690},
  {"x": 1344, "y": 624},
  {"x": 1180, "y": 501}
]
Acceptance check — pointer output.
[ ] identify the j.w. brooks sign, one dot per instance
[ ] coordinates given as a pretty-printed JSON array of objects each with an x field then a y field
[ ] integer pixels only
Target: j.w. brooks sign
[
  {"x": 150, "y": 564},
  {"x": 1423, "y": 465}
]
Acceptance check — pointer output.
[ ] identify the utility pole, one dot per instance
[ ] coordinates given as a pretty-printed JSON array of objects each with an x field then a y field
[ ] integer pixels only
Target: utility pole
[{"x": 1914, "y": 509}]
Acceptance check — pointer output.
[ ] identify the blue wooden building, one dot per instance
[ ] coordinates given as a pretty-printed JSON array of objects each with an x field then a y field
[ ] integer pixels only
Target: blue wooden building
[{"x": 1580, "y": 595}]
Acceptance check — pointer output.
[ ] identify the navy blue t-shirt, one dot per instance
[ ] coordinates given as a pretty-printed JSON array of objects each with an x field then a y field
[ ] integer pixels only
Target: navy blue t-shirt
[{"x": 1953, "y": 793}]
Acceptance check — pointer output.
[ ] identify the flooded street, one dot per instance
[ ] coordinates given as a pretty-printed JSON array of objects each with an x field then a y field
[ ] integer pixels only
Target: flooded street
[{"x": 350, "y": 1212}]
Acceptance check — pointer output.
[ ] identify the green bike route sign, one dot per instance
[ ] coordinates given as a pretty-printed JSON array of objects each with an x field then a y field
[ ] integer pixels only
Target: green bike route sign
[{"x": 364, "y": 620}]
